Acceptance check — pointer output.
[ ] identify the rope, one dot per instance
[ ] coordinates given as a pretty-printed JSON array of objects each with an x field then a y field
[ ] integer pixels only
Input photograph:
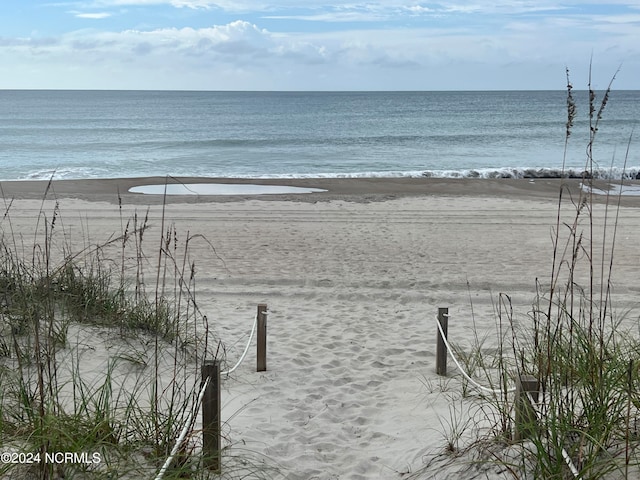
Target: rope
[
  {"x": 246, "y": 349},
  {"x": 565, "y": 455},
  {"x": 183, "y": 433},
  {"x": 464, "y": 374},
  {"x": 196, "y": 406}
]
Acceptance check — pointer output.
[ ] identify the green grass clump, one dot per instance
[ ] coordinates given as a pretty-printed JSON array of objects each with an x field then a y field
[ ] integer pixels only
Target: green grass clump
[
  {"x": 586, "y": 363},
  {"x": 582, "y": 357},
  {"x": 60, "y": 309}
]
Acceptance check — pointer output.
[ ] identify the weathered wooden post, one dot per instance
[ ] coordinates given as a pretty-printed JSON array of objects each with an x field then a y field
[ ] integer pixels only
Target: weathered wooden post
[
  {"x": 211, "y": 406},
  {"x": 441, "y": 348},
  {"x": 262, "y": 337},
  {"x": 526, "y": 418}
]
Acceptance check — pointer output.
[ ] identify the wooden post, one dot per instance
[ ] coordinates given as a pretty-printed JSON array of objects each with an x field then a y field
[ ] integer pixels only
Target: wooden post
[
  {"x": 526, "y": 418},
  {"x": 211, "y": 406},
  {"x": 262, "y": 338},
  {"x": 441, "y": 348}
]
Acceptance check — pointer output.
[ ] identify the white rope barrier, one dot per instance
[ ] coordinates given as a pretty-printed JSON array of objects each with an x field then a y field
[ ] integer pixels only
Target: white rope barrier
[
  {"x": 196, "y": 407},
  {"x": 565, "y": 455},
  {"x": 246, "y": 349},
  {"x": 187, "y": 426},
  {"x": 465, "y": 374}
]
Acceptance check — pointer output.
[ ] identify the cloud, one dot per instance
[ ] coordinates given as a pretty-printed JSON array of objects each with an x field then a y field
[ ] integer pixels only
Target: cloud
[
  {"x": 95, "y": 16},
  {"x": 395, "y": 6},
  {"x": 194, "y": 4},
  {"x": 383, "y": 11},
  {"x": 341, "y": 16},
  {"x": 417, "y": 9},
  {"x": 243, "y": 55},
  {"x": 620, "y": 19},
  {"x": 230, "y": 5},
  {"x": 229, "y": 43},
  {"x": 9, "y": 44}
]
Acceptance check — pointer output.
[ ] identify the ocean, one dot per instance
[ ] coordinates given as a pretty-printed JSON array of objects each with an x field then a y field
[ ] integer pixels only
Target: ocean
[{"x": 107, "y": 134}]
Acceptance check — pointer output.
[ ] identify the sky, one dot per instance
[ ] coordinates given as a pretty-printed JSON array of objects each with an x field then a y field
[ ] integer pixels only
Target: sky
[{"x": 318, "y": 44}]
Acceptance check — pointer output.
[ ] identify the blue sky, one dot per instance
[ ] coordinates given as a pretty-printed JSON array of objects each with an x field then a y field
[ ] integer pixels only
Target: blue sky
[{"x": 317, "y": 45}]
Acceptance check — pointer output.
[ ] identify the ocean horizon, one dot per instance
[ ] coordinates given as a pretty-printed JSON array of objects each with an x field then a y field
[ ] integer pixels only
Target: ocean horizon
[{"x": 80, "y": 134}]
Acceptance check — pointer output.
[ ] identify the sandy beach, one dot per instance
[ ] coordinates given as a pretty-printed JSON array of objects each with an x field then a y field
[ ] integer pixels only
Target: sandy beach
[
  {"x": 353, "y": 279},
  {"x": 359, "y": 190}
]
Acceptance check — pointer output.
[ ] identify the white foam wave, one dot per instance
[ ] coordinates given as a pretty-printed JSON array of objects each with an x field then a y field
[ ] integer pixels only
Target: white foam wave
[
  {"x": 77, "y": 173},
  {"x": 614, "y": 190},
  {"x": 632, "y": 173}
]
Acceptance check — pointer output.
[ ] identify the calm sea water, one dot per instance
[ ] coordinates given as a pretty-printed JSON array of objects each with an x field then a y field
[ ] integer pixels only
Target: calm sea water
[{"x": 100, "y": 134}]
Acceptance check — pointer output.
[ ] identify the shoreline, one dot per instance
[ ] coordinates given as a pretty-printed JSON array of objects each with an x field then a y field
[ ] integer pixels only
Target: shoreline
[{"x": 347, "y": 189}]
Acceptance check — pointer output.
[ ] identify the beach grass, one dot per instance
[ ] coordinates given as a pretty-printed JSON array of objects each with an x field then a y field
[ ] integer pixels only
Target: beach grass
[
  {"x": 100, "y": 352},
  {"x": 585, "y": 361},
  {"x": 583, "y": 353}
]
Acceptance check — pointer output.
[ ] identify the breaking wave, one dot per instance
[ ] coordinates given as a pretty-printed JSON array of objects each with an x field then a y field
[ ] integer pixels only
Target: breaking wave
[{"x": 631, "y": 173}]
